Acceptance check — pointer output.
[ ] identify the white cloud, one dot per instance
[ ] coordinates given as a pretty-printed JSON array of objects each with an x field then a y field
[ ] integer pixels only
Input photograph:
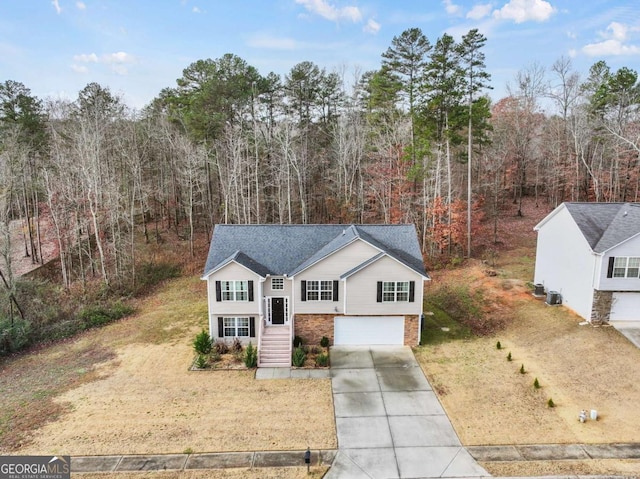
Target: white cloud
[
  {"x": 86, "y": 58},
  {"x": 525, "y": 10},
  {"x": 614, "y": 42},
  {"x": 56, "y": 5},
  {"x": 451, "y": 8},
  {"x": 330, "y": 12},
  {"x": 79, "y": 68},
  {"x": 479, "y": 11},
  {"x": 81, "y": 6},
  {"x": 572, "y": 52},
  {"x": 119, "y": 69},
  {"x": 118, "y": 57},
  {"x": 372, "y": 26},
  {"x": 261, "y": 40},
  {"x": 196, "y": 10}
]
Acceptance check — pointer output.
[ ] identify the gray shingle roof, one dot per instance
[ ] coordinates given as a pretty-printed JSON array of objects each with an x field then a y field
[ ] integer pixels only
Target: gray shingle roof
[
  {"x": 288, "y": 249},
  {"x": 605, "y": 225}
]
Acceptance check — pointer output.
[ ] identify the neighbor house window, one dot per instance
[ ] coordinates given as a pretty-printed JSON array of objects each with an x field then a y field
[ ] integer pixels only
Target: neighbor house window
[
  {"x": 625, "y": 267},
  {"x": 236, "y": 327},
  {"x": 393, "y": 291},
  {"x": 234, "y": 290},
  {"x": 319, "y": 290},
  {"x": 277, "y": 284}
]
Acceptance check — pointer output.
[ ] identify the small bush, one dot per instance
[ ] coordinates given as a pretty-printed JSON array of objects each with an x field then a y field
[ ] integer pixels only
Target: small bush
[
  {"x": 221, "y": 346},
  {"x": 202, "y": 343},
  {"x": 299, "y": 357},
  {"x": 324, "y": 342},
  {"x": 315, "y": 350},
  {"x": 98, "y": 315},
  {"x": 150, "y": 274},
  {"x": 536, "y": 383},
  {"x": 297, "y": 341},
  {"x": 498, "y": 345},
  {"x": 14, "y": 337},
  {"x": 322, "y": 360},
  {"x": 509, "y": 358},
  {"x": 236, "y": 345},
  {"x": 250, "y": 356},
  {"x": 550, "y": 403},
  {"x": 522, "y": 371},
  {"x": 201, "y": 361}
]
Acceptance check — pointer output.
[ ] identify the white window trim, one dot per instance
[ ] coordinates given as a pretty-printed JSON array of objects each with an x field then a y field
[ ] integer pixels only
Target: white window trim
[
  {"x": 621, "y": 265},
  {"x": 280, "y": 285},
  {"x": 233, "y": 291},
  {"x": 235, "y": 326},
  {"x": 327, "y": 291},
  {"x": 395, "y": 292}
]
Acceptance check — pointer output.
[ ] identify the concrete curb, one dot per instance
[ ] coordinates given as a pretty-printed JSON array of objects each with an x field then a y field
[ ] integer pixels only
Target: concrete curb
[
  {"x": 554, "y": 452},
  {"x": 216, "y": 460}
]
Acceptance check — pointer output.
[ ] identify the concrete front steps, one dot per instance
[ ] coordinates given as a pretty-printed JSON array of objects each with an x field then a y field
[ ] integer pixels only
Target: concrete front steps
[{"x": 275, "y": 350}]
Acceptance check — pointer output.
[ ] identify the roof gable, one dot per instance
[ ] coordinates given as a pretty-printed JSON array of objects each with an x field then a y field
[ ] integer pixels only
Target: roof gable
[
  {"x": 288, "y": 249},
  {"x": 604, "y": 225}
]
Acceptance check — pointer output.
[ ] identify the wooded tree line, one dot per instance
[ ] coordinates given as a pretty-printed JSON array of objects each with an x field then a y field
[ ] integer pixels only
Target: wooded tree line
[{"x": 410, "y": 142}]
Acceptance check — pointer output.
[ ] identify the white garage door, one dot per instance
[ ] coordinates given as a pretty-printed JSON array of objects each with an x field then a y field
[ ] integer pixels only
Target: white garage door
[
  {"x": 368, "y": 330},
  {"x": 625, "y": 306}
]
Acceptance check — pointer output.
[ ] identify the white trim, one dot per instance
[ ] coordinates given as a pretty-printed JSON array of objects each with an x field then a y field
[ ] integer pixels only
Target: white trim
[
  {"x": 369, "y": 262},
  {"x": 227, "y": 263}
]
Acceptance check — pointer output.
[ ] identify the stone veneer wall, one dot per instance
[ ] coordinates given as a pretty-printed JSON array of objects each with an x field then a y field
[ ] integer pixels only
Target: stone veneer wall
[
  {"x": 601, "y": 307},
  {"x": 311, "y": 328}
]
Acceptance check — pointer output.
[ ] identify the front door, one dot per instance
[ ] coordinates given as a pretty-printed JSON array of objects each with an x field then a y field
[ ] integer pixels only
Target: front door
[{"x": 277, "y": 310}]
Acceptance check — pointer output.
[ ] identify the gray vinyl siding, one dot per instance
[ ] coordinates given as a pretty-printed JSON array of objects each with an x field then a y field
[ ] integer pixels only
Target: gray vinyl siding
[
  {"x": 362, "y": 289},
  {"x": 233, "y": 272}
]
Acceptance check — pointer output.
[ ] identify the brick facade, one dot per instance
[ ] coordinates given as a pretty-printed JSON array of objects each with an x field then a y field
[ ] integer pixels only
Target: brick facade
[
  {"x": 311, "y": 328},
  {"x": 601, "y": 307}
]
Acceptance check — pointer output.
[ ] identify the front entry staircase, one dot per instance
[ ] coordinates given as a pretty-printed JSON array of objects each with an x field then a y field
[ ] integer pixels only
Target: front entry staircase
[{"x": 275, "y": 350}]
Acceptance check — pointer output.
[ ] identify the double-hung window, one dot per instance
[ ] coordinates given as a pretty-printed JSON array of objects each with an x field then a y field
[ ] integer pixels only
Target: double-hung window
[
  {"x": 626, "y": 267},
  {"x": 236, "y": 327},
  {"x": 319, "y": 290},
  {"x": 234, "y": 290},
  {"x": 394, "y": 291}
]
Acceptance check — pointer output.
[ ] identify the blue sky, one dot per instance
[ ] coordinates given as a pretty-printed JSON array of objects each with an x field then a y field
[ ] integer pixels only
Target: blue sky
[{"x": 138, "y": 47}]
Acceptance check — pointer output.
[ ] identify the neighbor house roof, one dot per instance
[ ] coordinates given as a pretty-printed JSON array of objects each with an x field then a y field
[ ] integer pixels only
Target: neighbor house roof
[
  {"x": 604, "y": 225},
  {"x": 289, "y": 249}
]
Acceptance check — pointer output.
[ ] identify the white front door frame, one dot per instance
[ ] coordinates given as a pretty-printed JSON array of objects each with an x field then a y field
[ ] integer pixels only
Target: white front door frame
[{"x": 269, "y": 309}]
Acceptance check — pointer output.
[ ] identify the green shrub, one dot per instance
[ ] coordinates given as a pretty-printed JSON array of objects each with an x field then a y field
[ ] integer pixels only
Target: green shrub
[
  {"x": 299, "y": 357},
  {"x": 297, "y": 341},
  {"x": 201, "y": 361},
  {"x": 236, "y": 345},
  {"x": 202, "y": 343},
  {"x": 150, "y": 274},
  {"x": 324, "y": 342},
  {"x": 536, "y": 383},
  {"x": 98, "y": 315},
  {"x": 498, "y": 345},
  {"x": 550, "y": 403},
  {"x": 322, "y": 360},
  {"x": 522, "y": 371},
  {"x": 14, "y": 337},
  {"x": 221, "y": 346},
  {"x": 509, "y": 358},
  {"x": 250, "y": 356}
]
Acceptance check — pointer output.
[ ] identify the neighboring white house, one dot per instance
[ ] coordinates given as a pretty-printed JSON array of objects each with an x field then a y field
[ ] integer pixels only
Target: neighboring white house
[
  {"x": 590, "y": 254},
  {"x": 354, "y": 284}
]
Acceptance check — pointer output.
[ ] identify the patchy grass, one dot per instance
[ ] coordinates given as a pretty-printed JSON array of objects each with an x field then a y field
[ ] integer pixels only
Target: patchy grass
[{"x": 440, "y": 327}]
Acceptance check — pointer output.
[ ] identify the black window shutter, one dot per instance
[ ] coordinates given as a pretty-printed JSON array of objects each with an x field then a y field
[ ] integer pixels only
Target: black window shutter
[
  {"x": 218, "y": 291},
  {"x": 303, "y": 290},
  {"x": 220, "y": 327},
  {"x": 252, "y": 327},
  {"x": 379, "y": 298},
  {"x": 412, "y": 291},
  {"x": 335, "y": 291},
  {"x": 250, "y": 290},
  {"x": 610, "y": 268}
]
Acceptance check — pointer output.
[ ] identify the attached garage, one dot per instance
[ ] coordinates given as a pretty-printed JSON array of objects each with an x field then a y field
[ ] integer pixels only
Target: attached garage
[
  {"x": 625, "y": 306},
  {"x": 368, "y": 330}
]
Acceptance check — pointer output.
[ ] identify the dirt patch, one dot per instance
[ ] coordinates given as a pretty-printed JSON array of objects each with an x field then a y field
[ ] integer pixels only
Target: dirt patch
[
  {"x": 145, "y": 400},
  {"x": 580, "y": 367}
]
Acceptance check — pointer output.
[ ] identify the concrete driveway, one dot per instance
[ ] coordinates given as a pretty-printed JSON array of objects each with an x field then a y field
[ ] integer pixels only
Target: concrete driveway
[
  {"x": 389, "y": 422},
  {"x": 630, "y": 329}
]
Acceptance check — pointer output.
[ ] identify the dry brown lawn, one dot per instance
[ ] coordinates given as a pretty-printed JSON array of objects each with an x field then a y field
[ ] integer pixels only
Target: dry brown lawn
[
  {"x": 140, "y": 398},
  {"x": 240, "y": 473},
  {"x": 580, "y": 367}
]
